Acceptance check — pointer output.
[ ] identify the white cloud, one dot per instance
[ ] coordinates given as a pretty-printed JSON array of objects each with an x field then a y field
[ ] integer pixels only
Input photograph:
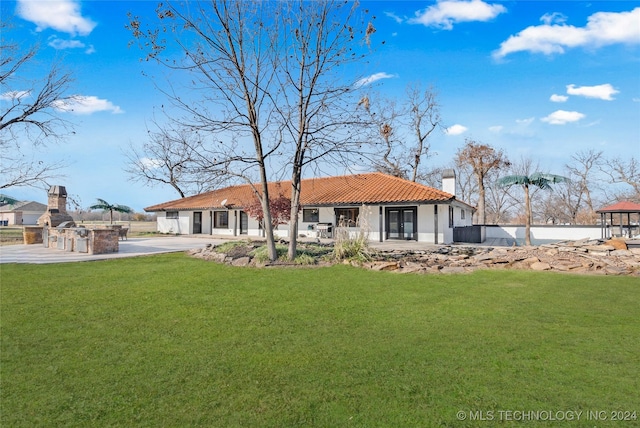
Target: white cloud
[
  {"x": 603, "y": 28},
  {"x": 602, "y": 92},
  {"x": 553, "y": 18},
  {"x": 447, "y": 12},
  {"x": 456, "y": 129},
  {"x": 60, "y": 44},
  {"x": 562, "y": 117},
  {"x": 525, "y": 122},
  {"x": 151, "y": 163},
  {"x": 14, "y": 95},
  {"x": 394, "y": 17},
  {"x": 558, "y": 98},
  {"x": 81, "y": 104},
  {"x": 497, "y": 129},
  {"x": 60, "y": 15},
  {"x": 373, "y": 78}
]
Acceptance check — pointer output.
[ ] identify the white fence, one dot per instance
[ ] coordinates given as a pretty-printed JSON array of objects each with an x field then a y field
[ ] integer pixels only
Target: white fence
[{"x": 541, "y": 234}]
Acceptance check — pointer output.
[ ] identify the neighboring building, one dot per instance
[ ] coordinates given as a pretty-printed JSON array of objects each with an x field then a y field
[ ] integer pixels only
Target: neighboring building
[
  {"x": 21, "y": 213},
  {"x": 390, "y": 207}
]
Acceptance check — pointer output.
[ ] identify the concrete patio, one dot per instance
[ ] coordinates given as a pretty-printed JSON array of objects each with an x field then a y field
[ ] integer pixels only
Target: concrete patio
[{"x": 133, "y": 247}]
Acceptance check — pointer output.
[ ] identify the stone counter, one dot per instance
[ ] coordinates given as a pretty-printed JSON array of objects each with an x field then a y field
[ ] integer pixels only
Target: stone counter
[{"x": 80, "y": 240}]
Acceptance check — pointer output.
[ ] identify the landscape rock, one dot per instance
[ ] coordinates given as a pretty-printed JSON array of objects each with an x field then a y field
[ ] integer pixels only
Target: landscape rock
[
  {"x": 618, "y": 244},
  {"x": 385, "y": 266},
  {"x": 540, "y": 266},
  {"x": 621, "y": 253},
  {"x": 594, "y": 257},
  {"x": 241, "y": 261}
]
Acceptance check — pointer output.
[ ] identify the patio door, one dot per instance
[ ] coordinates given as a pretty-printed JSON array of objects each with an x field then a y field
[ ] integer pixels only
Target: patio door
[
  {"x": 244, "y": 223},
  {"x": 197, "y": 222},
  {"x": 402, "y": 223}
]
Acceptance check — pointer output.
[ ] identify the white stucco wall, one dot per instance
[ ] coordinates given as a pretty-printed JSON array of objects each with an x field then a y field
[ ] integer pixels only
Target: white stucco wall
[
  {"x": 543, "y": 233},
  {"x": 370, "y": 217},
  {"x": 178, "y": 226},
  {"x": 427, "y": 228}
]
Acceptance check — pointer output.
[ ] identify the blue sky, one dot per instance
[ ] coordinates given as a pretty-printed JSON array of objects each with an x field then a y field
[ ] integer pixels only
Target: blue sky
[{"x": 544, "y": 79}]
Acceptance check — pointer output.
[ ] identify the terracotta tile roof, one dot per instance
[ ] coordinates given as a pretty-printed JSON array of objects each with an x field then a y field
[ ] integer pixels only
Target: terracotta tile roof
[
  {"x": 370, "y": 188},
  {"x": 621, "y": 207}
]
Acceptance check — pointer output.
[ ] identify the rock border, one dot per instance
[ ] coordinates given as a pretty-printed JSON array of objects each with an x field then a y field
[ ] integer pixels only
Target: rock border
[{"x": 593, "y": 257}]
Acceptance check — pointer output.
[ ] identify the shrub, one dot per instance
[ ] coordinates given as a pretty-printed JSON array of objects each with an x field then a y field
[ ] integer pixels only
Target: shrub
[
  {"x": 229, "y": 246},
  {"x": 353, "y": 244},
  {"x": 305, "y": 259},
  {"x": 261, "y": 254}
]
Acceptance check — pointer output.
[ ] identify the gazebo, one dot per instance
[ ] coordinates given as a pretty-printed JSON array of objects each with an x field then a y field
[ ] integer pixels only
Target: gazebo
[{"x": 620, "y": 208}]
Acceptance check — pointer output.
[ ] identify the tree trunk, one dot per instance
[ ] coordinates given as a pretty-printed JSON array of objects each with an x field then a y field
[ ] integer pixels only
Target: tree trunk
[
  {"x": 268, "y": 225},
  {"x": 293, "y": 221},
  {"x": 527, "y": 214},
  {"x": 481, "y": 201}
]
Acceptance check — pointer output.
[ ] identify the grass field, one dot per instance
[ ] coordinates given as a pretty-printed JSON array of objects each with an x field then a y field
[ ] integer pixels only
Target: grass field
[{"x": 173, "y": 341}]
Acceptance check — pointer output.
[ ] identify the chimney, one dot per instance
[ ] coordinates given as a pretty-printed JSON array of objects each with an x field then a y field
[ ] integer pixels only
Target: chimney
[
  {"x": 449, "y": 181},
  {"x": 57, "y": 208},
  {"x": 57, "y": 198}
]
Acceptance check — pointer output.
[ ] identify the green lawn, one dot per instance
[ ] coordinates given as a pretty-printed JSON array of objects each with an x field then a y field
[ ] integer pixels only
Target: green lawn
[{"x": 173, "y": 341}]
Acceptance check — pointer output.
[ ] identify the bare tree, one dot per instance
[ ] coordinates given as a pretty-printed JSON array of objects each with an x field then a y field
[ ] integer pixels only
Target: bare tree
[
  {"x": 582, "y": 185},
  {"x": 260, "y": 73},
  {"x": 318, "y": 115},
  {"x": 225, "y": 46},
  {"x": 499, "y": 204},
  {"x": 403, "y": 128},
  {"x": 173, "y": 157},
  {"x": 424, "y": 116},
  {"x": 483, "y": 159},
  {"x": 384, "y": 125},
  {"x": 625, "y": 172},
  {"x": 29, "y": 114}
]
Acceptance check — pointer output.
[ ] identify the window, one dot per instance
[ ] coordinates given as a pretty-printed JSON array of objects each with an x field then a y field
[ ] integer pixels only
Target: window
[
  {"x": 462, "y": 214},
  {"x": 220, "y": 219},
  {"x": 347, "y": 216},
  {"x": 310, "y": 215},
  {"x": 172, "y": 214}
]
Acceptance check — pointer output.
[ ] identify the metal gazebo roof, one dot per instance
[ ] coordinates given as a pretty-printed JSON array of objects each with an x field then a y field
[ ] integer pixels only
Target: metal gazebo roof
[{"x": 621, "y": 207}]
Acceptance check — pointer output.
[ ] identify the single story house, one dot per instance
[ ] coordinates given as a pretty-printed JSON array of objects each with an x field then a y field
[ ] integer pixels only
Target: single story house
[
  {"x": 21, "y": 213},
  {"x": 389, "y": 207}
]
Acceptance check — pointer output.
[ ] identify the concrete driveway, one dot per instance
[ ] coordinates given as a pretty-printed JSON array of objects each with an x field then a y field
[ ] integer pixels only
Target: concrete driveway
[{"x": 132, "y": 247}]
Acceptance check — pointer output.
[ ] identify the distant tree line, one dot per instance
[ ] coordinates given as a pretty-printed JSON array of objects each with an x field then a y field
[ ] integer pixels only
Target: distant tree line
[
  {"x": 89, "y": 216},
  {"x": 593, "y": 181}
]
